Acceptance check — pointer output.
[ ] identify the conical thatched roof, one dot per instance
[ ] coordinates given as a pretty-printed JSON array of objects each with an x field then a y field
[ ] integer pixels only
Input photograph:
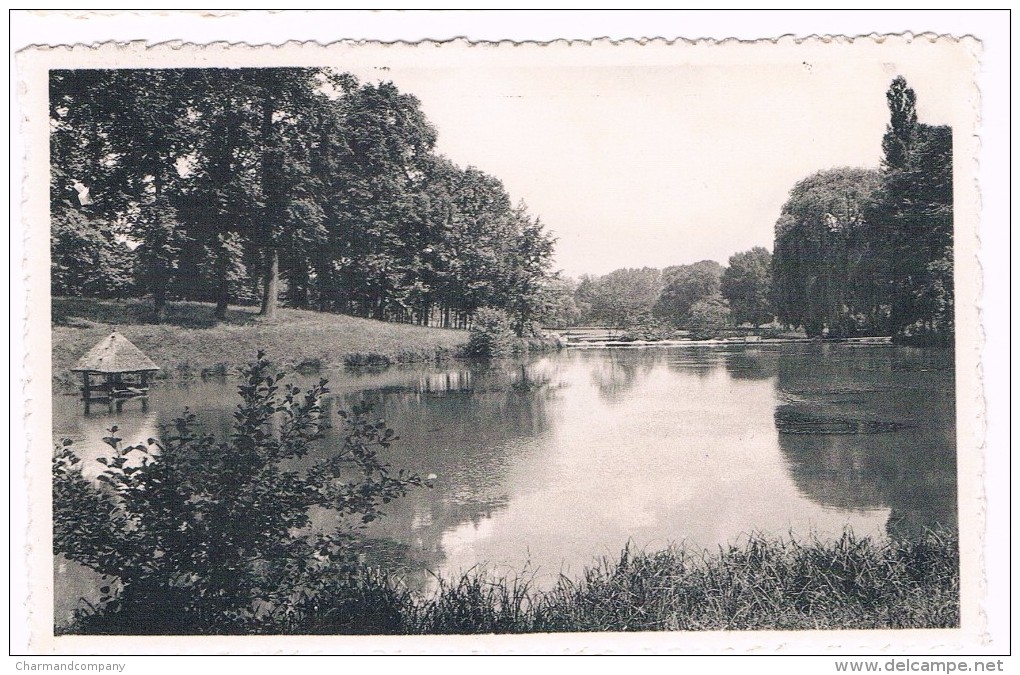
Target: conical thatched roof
[{"x": 115, "y": 354}]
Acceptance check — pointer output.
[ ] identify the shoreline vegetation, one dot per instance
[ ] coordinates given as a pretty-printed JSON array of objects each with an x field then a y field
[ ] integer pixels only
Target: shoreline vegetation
[
  {"x": 764, "y": 583},
  {"x": 191, "y": 343},
  {"x": 308, "y": 189}
]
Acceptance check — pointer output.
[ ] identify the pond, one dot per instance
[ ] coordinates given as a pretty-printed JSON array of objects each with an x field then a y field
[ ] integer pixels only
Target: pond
[{"x": 548, "y": 463}]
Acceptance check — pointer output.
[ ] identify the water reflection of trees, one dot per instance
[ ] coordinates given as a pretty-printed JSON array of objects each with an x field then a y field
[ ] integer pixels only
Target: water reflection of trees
[
  {"x": 615, "y": 372},
  {"x": 911, "y": 471},
  {"x": 752, "y": 363},
  {"x": 471, "y": 427},
  {"x": 698, "y": 361}
]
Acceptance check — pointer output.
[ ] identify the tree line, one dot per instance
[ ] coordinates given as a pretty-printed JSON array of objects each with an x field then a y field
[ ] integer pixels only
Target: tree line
[
  {"x": 870, "y": 252},
  {"x": 306, "y": 185},
  {"x": 258, "y": 185},
  {"x": 857, "y": 252},
  {"x": 702, "y": 294}
]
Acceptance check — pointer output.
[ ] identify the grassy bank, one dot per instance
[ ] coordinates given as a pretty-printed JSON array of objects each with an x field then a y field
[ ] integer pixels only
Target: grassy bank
[
  {"x": 848, "y": 583},
  {"x": 766, "y": 584},
  {"x": 191, "y": 342}
]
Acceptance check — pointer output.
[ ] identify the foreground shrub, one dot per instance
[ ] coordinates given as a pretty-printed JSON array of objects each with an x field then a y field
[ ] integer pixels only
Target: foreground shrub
[
  {"x": 198, "y": 536},
  {"x": 492, "y": 334}
]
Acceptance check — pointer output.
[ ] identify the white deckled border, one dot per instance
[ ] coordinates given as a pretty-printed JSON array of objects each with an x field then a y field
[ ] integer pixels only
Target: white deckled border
[{"x": 956, "y": 54}]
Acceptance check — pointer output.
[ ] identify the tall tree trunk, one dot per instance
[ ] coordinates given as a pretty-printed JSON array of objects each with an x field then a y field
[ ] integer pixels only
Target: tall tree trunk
[
  {"x": 298, "y": 283},
  {"x": 299, "y": 294},
  {"x": 222, "y": 297},
  {"x": 326, "y": 285},
  {"x": 271, "y": 284},
  {"x": 270, "y": 176},
  {"x": 160, "y": 274},
  {"x": 222, "y": 281},
  {"x": 522, "y": 322},
  {"x": 159, "y": 300}
]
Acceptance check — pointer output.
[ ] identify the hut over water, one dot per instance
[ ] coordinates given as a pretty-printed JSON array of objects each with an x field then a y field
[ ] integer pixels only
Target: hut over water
[{"x": 123, "y": 367}]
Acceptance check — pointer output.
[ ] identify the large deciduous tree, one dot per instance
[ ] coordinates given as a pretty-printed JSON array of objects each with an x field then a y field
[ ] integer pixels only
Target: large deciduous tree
[
  {"x": 375, "y": 166},
  {"x": 684, "y": 285},
  {"x": 329, "y": 188},
  {"x": 746, "y": 284},
  {"x": 117, "y": 136},
  {"x": 861, "y": 251},
  {"x": 821, "y": 238},
  {"x": 559, "y": 307},
  {"x": 622, "y": 297}
]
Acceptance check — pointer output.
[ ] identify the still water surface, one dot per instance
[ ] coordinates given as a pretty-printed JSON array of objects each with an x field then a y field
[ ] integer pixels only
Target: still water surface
[{"x": 545, "y": 464}]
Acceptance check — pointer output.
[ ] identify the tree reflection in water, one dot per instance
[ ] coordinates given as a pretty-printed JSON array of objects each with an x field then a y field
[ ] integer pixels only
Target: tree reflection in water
[
  {"x": 752, "y": 363},
  {"x": 699, "y": 361},
  {"x": 470, "y": 427},
  {"x": 910, "y": 468},
  {"x": 615, "y": 372}
]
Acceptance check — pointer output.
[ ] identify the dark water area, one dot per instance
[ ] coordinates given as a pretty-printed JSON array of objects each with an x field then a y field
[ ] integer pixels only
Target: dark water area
[{"x": 545, "y": 464}]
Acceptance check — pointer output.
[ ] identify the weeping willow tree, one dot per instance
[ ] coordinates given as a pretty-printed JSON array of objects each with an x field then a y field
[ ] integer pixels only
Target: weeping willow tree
[{"x": 822, "y": 249}]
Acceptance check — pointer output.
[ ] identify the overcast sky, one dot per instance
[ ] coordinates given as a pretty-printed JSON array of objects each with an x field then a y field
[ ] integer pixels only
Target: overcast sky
[{"x": 634, "y": 165}]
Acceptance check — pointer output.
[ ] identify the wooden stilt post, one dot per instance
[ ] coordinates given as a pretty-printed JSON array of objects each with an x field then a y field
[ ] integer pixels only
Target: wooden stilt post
[{"x": 86, "y": 391}]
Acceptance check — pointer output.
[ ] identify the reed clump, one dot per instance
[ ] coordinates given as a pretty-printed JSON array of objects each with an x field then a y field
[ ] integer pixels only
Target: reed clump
[{"x": 764, "y": 584}]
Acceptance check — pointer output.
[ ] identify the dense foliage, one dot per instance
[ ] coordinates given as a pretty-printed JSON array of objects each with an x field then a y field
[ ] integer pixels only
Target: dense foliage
[
  {"x": 238, "y": 185},
  {"x": 914, "y": 212},
  {"x": 763, "y": 584},
  {"x": 491, "y": 334},
  {"x": 619, "y": 299},
  {"x": 867, "y": 252},
  {"x": 252, "y": 185},
  {"x": 684, "y": 286},
  {"x": 746, "y": 285},
  {"x": 646, "y": 303},
  {"x": 822, "y": 253},
  {"x": 857, "y": 252},
  {"x": 196, "y": 535}
]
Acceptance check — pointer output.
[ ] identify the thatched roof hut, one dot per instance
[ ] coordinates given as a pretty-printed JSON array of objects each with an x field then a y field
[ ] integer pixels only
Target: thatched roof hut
[{"x": 115, "y": 355}]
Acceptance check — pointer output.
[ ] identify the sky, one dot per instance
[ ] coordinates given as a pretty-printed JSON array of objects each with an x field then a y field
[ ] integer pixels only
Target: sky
[{"x": 633, "y": 165}]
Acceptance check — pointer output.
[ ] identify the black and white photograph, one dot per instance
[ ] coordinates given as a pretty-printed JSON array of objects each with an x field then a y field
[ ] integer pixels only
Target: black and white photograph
[{"x": 365, "y": 340}]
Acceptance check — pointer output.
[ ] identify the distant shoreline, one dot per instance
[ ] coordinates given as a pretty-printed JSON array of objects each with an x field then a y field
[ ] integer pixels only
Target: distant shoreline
[{"x": 721, "y": 342}]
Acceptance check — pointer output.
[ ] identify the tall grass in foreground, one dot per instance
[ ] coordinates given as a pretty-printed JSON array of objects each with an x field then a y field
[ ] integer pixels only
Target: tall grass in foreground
[{"x": 846, "y": 583}]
